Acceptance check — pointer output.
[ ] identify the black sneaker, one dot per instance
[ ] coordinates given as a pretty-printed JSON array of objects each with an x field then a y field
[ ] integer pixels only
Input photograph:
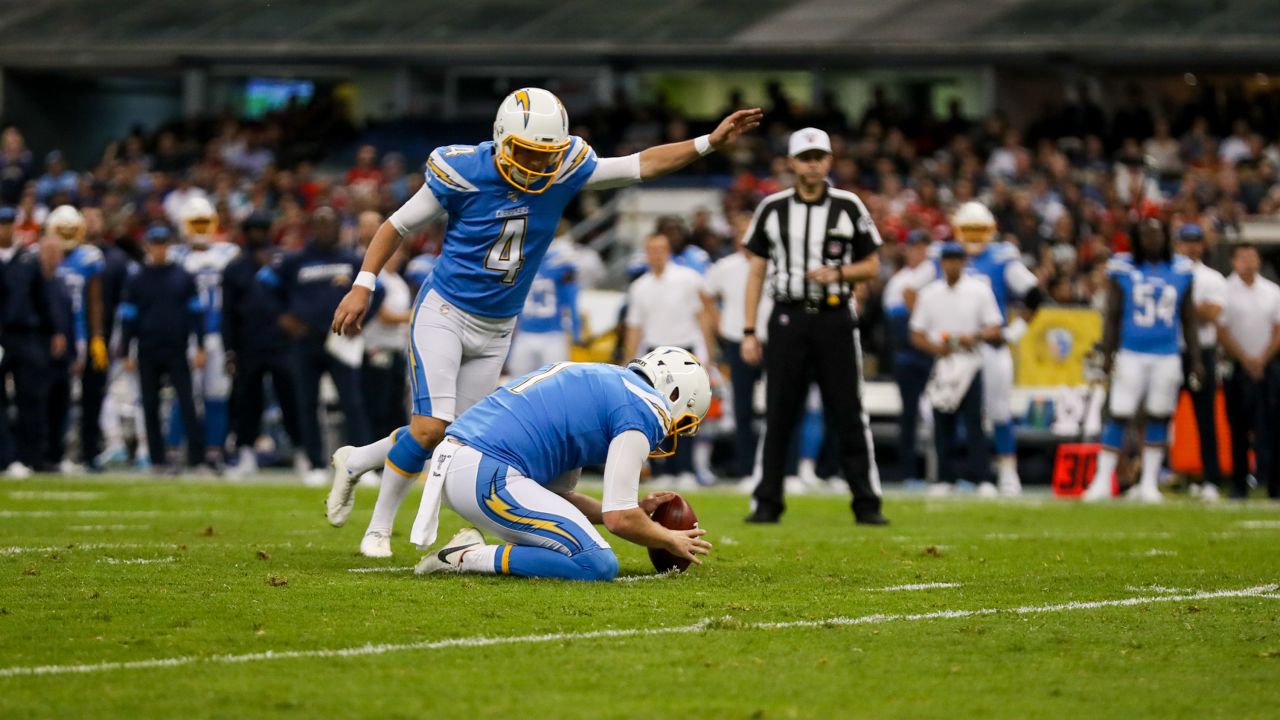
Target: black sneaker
[
  {"x": 762, "y": 518},
  {"x": 871, "y": 518}
]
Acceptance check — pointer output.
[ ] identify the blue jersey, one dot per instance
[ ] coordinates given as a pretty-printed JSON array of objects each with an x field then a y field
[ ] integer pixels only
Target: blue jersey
[
  {"x": 1153, "y": 295},
  {"x": 418, "y": 270},
  {"x": 497, "y": 235},
  {"x": 552, "y": 296},
  {"x": 562, "y": 417},
  {"x": 207, "y": 266},
  {"x": 75, "y": 271},
  {"x": 992, "y": 264}
]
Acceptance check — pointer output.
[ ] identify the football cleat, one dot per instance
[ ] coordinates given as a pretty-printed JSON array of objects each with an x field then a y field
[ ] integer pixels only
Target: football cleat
[
  {"x": 940, "y": 489},
  {"x": 376, "y": 544},
  {"x": 449, "y": 558},
  {"x": 988, "y": 490},
  {"x": 342, "y": 493}
]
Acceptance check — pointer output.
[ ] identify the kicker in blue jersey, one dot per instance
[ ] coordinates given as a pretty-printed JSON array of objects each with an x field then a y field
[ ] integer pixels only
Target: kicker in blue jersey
[
  {"x": 562, "y": 417},
  {"x": 497, "y": 235}
]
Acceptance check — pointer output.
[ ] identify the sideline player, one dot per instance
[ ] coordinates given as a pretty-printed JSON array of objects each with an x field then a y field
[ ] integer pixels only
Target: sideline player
[
  {"x": 541, "y": 333},
  {"x": 1000, "y": 264},
  {"x": 510, "y": 464},
  {"x": 504, "y": 200},
  {"x": 207, "y": 258},
  {"x": 1148, "y": 305}
]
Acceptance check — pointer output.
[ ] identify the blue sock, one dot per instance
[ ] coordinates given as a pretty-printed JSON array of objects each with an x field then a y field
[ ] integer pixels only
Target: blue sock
[
  {"x": 1113, "y": 435},
  {"x": 1157, "y": 432},
  {"x": 811, "y": 435},
  {"x": 176, "y": 434},
  {"x": 407, "y": 456},
  {"x": 597, "y": 564},
  {"x": 216, "y": 418},
  {"x": 1005, "y": 442}
]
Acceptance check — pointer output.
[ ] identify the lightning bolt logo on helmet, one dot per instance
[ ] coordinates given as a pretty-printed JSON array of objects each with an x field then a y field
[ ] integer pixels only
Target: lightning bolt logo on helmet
[{"x": 531, "y": 135}]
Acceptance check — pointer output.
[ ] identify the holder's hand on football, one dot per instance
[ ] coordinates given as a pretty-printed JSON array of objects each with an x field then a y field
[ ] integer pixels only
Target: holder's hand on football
[
  {"x": 732, "y": 127},
  {"x": 348, "y": 319},
  {"x": 688, "y": 544},
  {"x": 653, "y": 500}
]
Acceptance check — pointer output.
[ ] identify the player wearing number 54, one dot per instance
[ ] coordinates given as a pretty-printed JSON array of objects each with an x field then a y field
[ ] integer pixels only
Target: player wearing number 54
[{"x": 504, "y": 200}]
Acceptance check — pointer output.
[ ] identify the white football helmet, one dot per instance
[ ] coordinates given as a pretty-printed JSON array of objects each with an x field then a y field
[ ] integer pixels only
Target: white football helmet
[
  {"x": 199, "y": 222},
  {"x": 681, "y": 379},
  {"x": 974, "y": 225},
  {"x": 535, "y": 121},
  {"x": 67, "y": 224}
]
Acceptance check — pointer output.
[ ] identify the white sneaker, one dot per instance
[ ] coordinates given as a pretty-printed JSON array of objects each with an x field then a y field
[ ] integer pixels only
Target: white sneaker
[
  {"x": 300, "y": 463},
  {"x": 940, "y": 489},
  {"x": 747, "y": 485},
  {"x": 69, "y": 467},
  {"x": 1099, "y": 491},
  {"x": 1009, "y": 484},
  {"x": 376, "y": 544},
  {"x": 319, "y": 477},
  {"x": 1209, "y": 493},
  {"x": 342, "y": 493},
  {"x": 246, "y": 464},
  {"x": 988, "y": 490},
  {"x": 1146, "y": 496},
  {"x": 17, "y": 471},
  {"x": 686, "y": 482},
  {"x": 449, "y": 558}
]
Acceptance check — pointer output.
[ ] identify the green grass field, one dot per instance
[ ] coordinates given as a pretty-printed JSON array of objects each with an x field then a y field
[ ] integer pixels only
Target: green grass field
[{"x": 142, "y": 598}]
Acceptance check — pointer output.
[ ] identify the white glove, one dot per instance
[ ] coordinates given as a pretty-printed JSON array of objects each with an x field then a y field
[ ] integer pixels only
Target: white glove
[{"x": 1014, "y": 331}]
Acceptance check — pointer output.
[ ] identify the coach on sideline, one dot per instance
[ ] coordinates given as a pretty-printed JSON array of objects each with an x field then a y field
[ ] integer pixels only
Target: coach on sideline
[{"x": 821, "y": 241}]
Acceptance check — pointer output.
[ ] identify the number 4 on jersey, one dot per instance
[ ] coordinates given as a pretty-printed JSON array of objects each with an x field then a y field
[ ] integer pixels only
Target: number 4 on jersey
[{"x": 507, "y": 253}]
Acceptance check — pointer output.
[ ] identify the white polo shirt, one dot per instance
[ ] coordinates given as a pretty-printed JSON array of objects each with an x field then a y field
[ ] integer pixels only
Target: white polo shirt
[
  {"x": 1208, "y": 287},
  {"x": 666, "y": 308},
  {"x": 379, "y": 335},
  {"x": 966, "y": 308},
  {"x": 727, "y": 280},
  {"x": 1252, "y": 313}
]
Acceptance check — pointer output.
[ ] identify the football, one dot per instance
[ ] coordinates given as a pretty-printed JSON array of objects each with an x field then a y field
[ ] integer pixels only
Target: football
[{"x": 674, "y": 514}]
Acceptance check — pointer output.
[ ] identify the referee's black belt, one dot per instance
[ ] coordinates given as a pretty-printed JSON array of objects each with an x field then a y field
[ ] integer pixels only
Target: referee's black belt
[{"x": 831, "y": 303}]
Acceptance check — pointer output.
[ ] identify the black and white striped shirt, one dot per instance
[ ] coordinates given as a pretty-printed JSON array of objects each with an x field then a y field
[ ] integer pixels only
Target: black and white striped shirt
[{"x": 800, "y": 236}]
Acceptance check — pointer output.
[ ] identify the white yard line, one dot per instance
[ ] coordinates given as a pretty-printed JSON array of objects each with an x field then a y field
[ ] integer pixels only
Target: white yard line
[
  {"x": 1259, "y": 524},
  {"x": 641, "y": 578},
  {"x": 381, "y": 570},
  {"x": 101, "y": 513},
  {"x": 105, "y": 528},
  {"x": 1260, "y": 591},
  {"x": 53, "y": 495},
  {"x": 196, "y": 543},
  {"x": 138, "y": 561},
  {"x": 916, "y": 586}
]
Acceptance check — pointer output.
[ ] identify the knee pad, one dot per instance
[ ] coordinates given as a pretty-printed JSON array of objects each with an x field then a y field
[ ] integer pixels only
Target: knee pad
[
  {"x": 598, "y": 564},
  {"x": 1157, "y": 431}
]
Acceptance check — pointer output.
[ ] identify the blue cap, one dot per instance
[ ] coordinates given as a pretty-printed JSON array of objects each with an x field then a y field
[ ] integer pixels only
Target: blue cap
[
  {"x": 952, "y": 249},
  {"x": 1190, "y": 231},
  {"x": 158, "y": 233},
  {"x": 919, "y": 236},
  {"x": 8, "y": 216}
]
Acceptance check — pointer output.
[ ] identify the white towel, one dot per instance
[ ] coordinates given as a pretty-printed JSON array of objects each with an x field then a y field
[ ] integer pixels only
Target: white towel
[
  {"x": 427, "y": 523},
  {"x": 951, "y": 378}
]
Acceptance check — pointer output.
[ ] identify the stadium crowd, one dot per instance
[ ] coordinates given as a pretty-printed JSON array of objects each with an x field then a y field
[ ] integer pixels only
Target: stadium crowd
[{"x": 1065, "y": 189}]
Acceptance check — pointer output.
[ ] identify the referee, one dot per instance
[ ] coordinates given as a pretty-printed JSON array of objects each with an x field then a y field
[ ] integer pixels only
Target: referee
[{"x": 821, "y": 241}]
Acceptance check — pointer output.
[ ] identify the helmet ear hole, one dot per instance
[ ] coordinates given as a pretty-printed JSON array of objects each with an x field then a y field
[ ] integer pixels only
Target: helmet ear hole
[{"x": 675, "y": 393}]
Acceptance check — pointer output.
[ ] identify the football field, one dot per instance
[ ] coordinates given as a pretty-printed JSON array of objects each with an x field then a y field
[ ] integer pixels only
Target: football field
[{"x": 145, "y": 598}]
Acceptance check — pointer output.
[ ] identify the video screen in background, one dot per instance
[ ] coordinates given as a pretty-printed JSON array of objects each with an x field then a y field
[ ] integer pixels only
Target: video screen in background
[{"x": 262, "y": 95}]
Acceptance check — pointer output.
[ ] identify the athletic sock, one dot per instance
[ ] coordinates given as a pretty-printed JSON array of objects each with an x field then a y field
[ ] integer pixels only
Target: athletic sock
[
  {"x": 1107, "y": 461},
  {"x": 1003, "y": 438},
  {"x": 216, "y": 419},
  {"x": 1152, "y": 463},
  {"x": 404, "y": 461},
  {"x": 369, "y": 457},
  {"x": 481, "y": 559}
]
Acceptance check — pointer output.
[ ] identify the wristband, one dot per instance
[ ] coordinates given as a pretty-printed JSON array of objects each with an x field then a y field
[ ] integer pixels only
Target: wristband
[
  {"x": 748, "y": 331},
  {"x": 702, "y": 144},
  {"x": 366, "y": 280}
]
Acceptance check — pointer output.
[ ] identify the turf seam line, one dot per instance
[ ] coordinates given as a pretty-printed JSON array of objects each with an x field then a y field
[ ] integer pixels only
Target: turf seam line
[{"x": 1259, "y": 591}]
